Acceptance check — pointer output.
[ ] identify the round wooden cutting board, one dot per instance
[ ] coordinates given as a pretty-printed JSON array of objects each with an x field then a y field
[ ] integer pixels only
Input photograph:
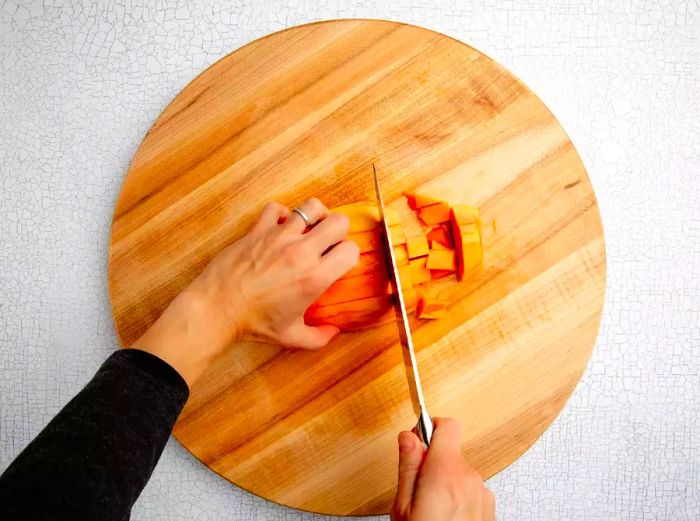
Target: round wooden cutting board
[{"x": 304, "y": 112}]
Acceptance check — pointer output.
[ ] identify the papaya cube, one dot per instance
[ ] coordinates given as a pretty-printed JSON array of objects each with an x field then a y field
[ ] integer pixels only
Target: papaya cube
[
  {"x": 417, "y": 201},
  {"x": 419, "y": 273},
  {"x": 405, "y": 277},
  {"x": 438, "y": 274},
  {"x": 467, "y": 237},
  {"x": 401, "y": 255},
  {"x": 441, "y": 260},
  {"x": 431, "y": 308},
  {"x": 435, "y": 213},
  {"x": 364, "y": 216},
  {"x": 473, "y": 256},
  {"x": 442, "y": 236},
  {"x": 417, "y": 246},
  {"x": 465, "y": 214},
  {"x": 371, "y": 240},
  {"x": 469, "y": 233}
]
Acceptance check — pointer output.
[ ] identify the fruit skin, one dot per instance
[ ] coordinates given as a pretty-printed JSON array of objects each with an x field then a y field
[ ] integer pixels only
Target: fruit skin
[{"x": 361, "y": 298}]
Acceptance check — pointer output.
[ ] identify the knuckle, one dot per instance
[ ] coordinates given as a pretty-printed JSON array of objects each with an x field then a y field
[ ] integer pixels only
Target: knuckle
[{"x": 338, "y": 220}]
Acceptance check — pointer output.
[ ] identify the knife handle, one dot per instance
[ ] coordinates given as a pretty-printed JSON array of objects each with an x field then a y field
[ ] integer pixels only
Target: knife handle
[{"x": 424, "y": 428}]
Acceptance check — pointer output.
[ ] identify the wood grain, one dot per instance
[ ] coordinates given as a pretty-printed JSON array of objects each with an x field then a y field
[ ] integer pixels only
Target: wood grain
[{"x": 302, "y": 113}]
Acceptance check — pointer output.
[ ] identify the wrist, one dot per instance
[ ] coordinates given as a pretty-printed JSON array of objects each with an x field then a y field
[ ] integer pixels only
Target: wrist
[{"x": 189, "y": 335}]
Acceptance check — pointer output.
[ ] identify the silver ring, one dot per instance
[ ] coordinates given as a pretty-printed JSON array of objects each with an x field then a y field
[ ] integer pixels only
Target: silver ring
[{"x": 301, "y": 213}]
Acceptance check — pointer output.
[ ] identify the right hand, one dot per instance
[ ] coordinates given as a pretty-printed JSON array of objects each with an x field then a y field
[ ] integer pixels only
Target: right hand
[{"x": 438, "y": 484}]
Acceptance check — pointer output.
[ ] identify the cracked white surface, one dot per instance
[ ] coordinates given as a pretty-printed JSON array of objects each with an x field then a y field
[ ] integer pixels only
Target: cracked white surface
[{"x": 81, "y": 82}]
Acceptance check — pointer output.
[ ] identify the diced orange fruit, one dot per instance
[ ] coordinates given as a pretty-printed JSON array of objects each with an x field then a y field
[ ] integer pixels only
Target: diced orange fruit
[
  {"x": 469, "y": 233},
  {"x": 438, "y": 274},
  {"x": 374, "y": 261},
  {"x": 473, "y": 256},
  {"x": 435, "y": 213},
  {"x": 417, "y": 246},
  {"x": 431, "y": 307},
  {"x": 442, "y": 236},
  {"x": 441, "y": 260},
  {"x": 417, "y": 201},
  {"x": 419, "y": 272},
  {"x": 465, "y": 214},
  {"x": 371, "y": 240},
  {"x": 410, "y": 299},
  {"x": 364, "y": 216},
  {"x": 406, "y": 276},
  {"x": 467, "y": 236},
  {"x": 400, "y": 254}
]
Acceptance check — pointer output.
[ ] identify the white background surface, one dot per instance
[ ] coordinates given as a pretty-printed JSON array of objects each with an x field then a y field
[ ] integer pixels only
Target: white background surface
[{"x": 80, "y": 84}]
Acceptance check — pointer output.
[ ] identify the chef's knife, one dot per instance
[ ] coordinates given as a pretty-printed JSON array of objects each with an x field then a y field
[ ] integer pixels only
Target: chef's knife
[{"x": 424, "y": 428}]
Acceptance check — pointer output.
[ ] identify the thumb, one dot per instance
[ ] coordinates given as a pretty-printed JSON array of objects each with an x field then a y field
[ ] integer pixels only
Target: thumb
[
  {"x": 310, "y": 337},
  {"x": 411, "y": 452}
]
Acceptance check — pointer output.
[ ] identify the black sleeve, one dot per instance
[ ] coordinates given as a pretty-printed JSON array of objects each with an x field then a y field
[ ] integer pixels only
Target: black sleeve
[{"x": 96, "y": 455}]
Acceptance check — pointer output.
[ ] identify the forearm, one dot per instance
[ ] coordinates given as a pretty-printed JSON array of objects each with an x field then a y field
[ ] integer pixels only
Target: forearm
[{"x": 96, "y": 455}]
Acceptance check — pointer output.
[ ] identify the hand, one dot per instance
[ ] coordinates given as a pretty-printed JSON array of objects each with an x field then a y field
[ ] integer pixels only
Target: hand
[
  {"x": 438, "y": 484},
  {"x": 258, "y": 288}
]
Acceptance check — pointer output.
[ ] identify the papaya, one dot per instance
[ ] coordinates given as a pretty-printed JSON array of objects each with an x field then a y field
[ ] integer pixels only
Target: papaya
[
  {"x": 362, "y": 297},
  {"x": 418, "y": 201},
  {"x": 466, "y": 230},
  {"x": 438, "y": 274},
  {"x": 417, "y": 246},
  {"x": 364, "y": 216},
  {"x": 419, "y": 272},
  {"x": 374, "y": 261},
  {"x": 435, "y": 213},
  {"x": 371, "y": 240},
  {"x": 440, "y": 236},
  {"x": 441, "y": 260},
  {"x": 431, "y": 308}
]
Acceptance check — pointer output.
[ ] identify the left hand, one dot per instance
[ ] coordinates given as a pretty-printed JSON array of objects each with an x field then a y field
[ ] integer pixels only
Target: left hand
[{"x": 258, "y": 288}]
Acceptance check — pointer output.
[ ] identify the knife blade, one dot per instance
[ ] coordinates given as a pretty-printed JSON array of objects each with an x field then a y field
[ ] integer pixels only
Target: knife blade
[{"x": 424, "y": 427}]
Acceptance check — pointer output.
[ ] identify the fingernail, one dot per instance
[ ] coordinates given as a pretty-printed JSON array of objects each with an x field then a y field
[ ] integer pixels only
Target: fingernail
[{"x": 406, "y": 442}]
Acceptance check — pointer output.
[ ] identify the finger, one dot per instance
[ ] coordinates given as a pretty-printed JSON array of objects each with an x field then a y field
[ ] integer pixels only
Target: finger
[
  {"x": 314, "y": 210},
  {"x": 447, "y": 438},
  {"x": 488, "y": 506},
  {"x": 411, "y": 452},
  {"x": 301, "y": 336},
  {"x": 271, "y": 215},
  {"x": 328, "y": 232},
  {"x": 338, "y": 261}
]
